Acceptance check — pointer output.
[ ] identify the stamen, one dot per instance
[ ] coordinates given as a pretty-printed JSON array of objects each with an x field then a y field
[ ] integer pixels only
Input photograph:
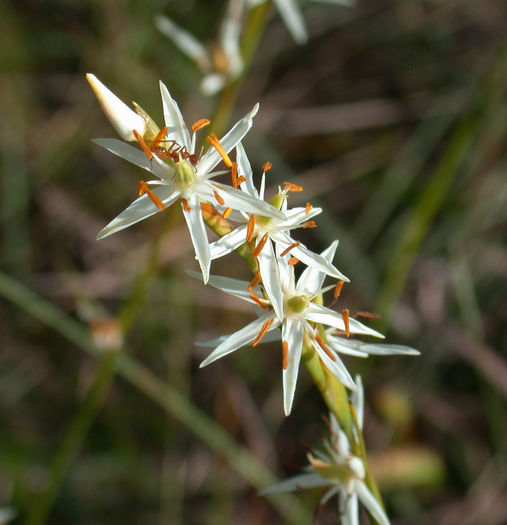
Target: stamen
[
  {"x": 226, "y": 213},
  {"x": 292, "y": 187},
  {"x": 285, "y": 355},
  {"x": 234, "y": 175},
  {"x": 286, "y": 251},
  {"x": 345, "y": 317},
  {"x": 199, "y": 124},
  {"x": 259, "y": 247},
  {"x": 309, "y": 224},
  {"x": 267, "y": 166},
  {"x": 158, "y": 139},
  {"x": 257, "y": 300},
  {"x": 251, "y": 227},
  {"x": 143, "y": 188},
  {"x": 218, "y": 197},
  {"x": 308, "y": 207},
  {"x": 254, "y": 282},
  {"x": 324, "y": 347},
  {"x": 186, "y": 207},
  {"x": 367, "y": 315},
  {"x": 264, "y": 329},
  {"x": 241, "y": 179},
  {"x": 293, "y": 261},
  {"x": 143, "y": 145},
  {"x": 338, "y": 289},
  {"x": 213, "y": 140}
]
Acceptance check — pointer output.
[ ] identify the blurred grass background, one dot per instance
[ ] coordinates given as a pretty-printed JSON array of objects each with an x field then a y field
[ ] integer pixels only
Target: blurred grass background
[{"x": 394, "y": 119}]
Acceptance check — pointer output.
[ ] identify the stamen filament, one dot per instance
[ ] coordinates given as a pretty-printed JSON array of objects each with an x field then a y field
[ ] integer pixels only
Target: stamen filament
[
  {"x": 264, "y": 329},
  {"x": 254, "y": 282},
  {"x": 345, "y": 317},
  {"x": 367, "y": 315},
  {"x": 285, "y": 355},
  {"x": 213, "y": 140},
  {"x": 255, "y": 298},
  {"x": 143, "y": 189},
  {"x": 324, "y": 347},
  {"x": 259, "y": 247},
  {"x": 292, "y": 187},
  {"x": 199, "y": 124},
  {"x": 186, "y": 207},
  {"x": 143, "y": 145},
  {"x": 219, "y": 198},
  {"x": 251, "y": 227},
  {"x": 287, "y": 250}
]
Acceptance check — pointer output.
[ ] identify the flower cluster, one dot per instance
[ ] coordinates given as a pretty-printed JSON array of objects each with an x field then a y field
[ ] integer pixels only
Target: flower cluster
[{"x": 287, "y": 309}]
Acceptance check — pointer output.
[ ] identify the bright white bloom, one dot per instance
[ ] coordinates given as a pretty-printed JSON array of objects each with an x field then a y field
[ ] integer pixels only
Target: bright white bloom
[
  {"x": 181, "y": 174},
  {"x": 299, "y": 315},
  {"x": 340, "y": 470},
  {"x": 224, "y": 64},
  {"x": 293, "y": 17},
  {"x": 266, "y": 231}
]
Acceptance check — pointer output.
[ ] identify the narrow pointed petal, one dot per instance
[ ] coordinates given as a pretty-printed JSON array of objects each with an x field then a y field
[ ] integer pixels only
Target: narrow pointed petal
[
  {"x": 348, "y": 509},
  {"x": 235, "y": 287},
  {"x": 212, "y": 84},
  {"x": 383, "y": 349},
  {"x": 357, "y": 399},
  {"x": 228, "y": 243},
  {"x": 245, "y": 169},
  {"x": 292, "y": 332},
  {"x": 198, "y": 235},
  {"x": 309, "y": 480},
  {"x": 329, "y": 494},
  {"x": 313, "y": 277},
  {"x": 369, "y": 501},
  {"x": 271, "y": 279},
  {"x": 125, "y": 151},
  {"x": 177, "y": 129},
  {"x": 317, "y": 262},
  {"x": 238, "y": 339},
  {"x": 337, "y": 368},
  {"x": 140, "y": 209},
  {"x": 346, "y": 346},
  {"x": 211, "y": 158},
  {"x": 122, "y": 118},
  {"x": 293, "y": 19},
  {"x": 270, "y": 337}
]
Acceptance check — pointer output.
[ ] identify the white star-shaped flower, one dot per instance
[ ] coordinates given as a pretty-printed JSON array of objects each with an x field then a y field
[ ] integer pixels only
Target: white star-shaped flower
[
  {"x": 341, "y": 471},
  {"x": 181, "y": 173},
  {"x": 300, "y": 314},
  {"x": 270, "y": 231}
]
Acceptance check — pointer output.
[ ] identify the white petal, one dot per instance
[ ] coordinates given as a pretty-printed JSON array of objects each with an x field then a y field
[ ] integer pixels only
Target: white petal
[
  {"x": 357, "y": 399},
  {"x": 140, "y": 209},
  {"x": 238, "y": 339},
  {"x": 270, "y": 278},
  {"x": 123, "y": 119},
  {"x": 346, "y": 346},
  {"x": 198, "y": 234},
  {"x": 292, "y": 332},
  {"x": 230, "y": 34},
  {"x": 270, "y": 337},
  {"x": 245, "y": 169},
  {"x": 317, "y": 262},
  {"x": 312, "y": 278},
  {"x": 293, "y": 19},
  {"x": 212, "y": 84},
  {"x": 302, "y": 481},
  {"x": 228, "y": 243},
  {"x": 337, "y": 368},
  {"x": 383, "y": 349},
  {"x": 350, "y": 509},
  {"x": 369, "y": 501},
  {"x": 125, "y": 151},
  {"x": 211, "y": 158},
  {"x": 186, "y": 42},
  {"x": 329, "y": 494},
  {"x": 235, "y": 287},
  {"x": 177, "y": 129}
]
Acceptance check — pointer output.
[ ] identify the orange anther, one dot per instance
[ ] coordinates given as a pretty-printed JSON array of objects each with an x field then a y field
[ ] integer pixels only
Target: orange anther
[
  {"x": 240, "y": 180},
  {"x": 292, "y": 187},
  {"x": 293, "y": 261},
  {"x": 143, "y": 189},
  {"x": 338, "y": 289},
  {"x": 251, "y": 227},
  {"x": 218, "y": 197},
  {"x": 234, "y": 175},
  {"x": 199, "y": 124},
  {"x": 259, "y": 246},
  {"x": 158, "y": 139},
  {"x": 368, "y": 315},
  {"x": 257, "y": 300},
  {"x": 267, "y": 166},
  {"x": 285, "y": 355},
  {"x": 287, "y": 250},
  {"x": 264, "y": 329},
  {"x": 345, "y": 317},
  {"x": 213, "y": 140},
  {"x": 324, "y": 347},
  {"x": 186, "y": 207},
  {"x": 143, "y": 145},
  {"x": 308, "y": 207},
  {"x": 226, "y": 213},
  {"x": 254, "y": 282},
  {"x": 309, "y": 224}
]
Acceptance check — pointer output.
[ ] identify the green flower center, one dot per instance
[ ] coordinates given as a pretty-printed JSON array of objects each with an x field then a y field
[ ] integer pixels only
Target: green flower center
[
  {"x": 184, "y": 174},
  {"x": 297, "y": 303}
]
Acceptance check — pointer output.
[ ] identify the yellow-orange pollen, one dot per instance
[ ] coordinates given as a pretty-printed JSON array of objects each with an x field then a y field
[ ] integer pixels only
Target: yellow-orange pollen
[
  {"x": 213, "y": 140},
  {"x": 267, "y": 166},
  {"x": 259, "y": 246},
  {"x": 143, "y": 189},
  {"x": 324, "y": 347},
  {"x": 218, "y": 197},
  {"x": 186, "y": 207},
  {"x": 199, "y": 124},
  {"x": 308, "y": 207},
  {"x": 262, "y": 333},
  {"x": 234, "y": 175},
  {"x": 254, "y": 282},
  {"x": 285, "y": 355},
  {"x": 257, "y": 300},
  {"x": 345, "y": 317},
  {"x": 338, "y": 289},
  {"x": 143, "y": 145},
  {"x": 287, "y": 250},
  {"x": 289, "y": 186},
  {"x": 226, "y": 213},
  {"x": 250, "y": 227},
  {"x": 293, "y": 261},
  {"x": 309, "y": 224}
]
